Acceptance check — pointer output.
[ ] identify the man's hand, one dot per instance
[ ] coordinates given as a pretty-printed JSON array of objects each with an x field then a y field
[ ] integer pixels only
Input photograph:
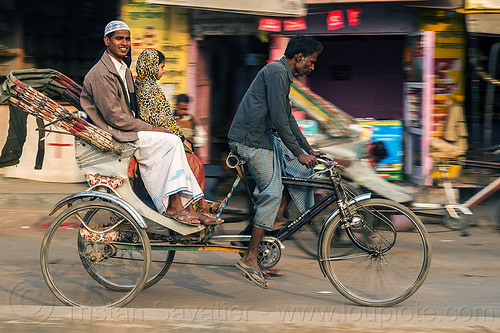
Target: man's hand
[
  {"x": 160, "y": 129},
  {"x": 316, "y": 153},
  {"x": 309, "y": 161}
]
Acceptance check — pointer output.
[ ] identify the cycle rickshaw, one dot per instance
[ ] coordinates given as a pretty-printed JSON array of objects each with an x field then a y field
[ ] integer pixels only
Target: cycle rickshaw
[{"x": 106, "y": 244}]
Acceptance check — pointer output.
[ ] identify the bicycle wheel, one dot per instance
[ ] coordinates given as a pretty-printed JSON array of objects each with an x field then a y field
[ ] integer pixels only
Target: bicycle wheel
[
  {"x": 160, "y": 261},
  {"x": 307, "y": 237},
  {"x": 380, "y": 258},
  {"x": 108, "y": 266}
]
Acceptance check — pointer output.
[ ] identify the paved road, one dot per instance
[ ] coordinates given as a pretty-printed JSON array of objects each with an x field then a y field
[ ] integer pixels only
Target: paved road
[
  {"x": 461, "y": 291},
  {"x": 203, "y": 291}
]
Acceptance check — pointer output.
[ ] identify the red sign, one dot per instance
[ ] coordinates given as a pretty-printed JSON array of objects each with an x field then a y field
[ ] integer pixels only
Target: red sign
[
  {"x": 335, "y": 20},
  {"x": 270, "y": 24},
  {"x": 298, "y": 23},
  {"x": 353, "y": 16}
]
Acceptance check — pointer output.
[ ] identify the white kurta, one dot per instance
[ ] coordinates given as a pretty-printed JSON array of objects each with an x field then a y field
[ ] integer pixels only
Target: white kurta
[{"x": 165, "y": 170}]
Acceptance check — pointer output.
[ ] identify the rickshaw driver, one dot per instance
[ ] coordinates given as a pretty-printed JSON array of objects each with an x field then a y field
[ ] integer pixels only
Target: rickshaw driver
[
  {"x": 266, "y": 135},
  {"x": 106, "y": 97}
]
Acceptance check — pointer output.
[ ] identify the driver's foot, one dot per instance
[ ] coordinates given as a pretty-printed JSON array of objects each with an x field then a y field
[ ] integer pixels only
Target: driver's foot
[{"x": 279, "y": 223}]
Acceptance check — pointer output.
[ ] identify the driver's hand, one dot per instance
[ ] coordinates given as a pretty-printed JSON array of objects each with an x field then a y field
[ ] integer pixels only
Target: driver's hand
[
  {"x": 309, "y": 161},
  {"x": 316, "y": 153}
]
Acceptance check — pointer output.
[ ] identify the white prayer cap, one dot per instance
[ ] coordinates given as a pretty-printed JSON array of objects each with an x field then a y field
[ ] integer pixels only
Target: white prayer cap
[{"x": 114, "y": 26}]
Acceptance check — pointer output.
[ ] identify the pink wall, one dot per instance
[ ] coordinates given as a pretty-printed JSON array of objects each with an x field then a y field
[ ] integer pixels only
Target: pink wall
[{"x": 375, "y": 86}]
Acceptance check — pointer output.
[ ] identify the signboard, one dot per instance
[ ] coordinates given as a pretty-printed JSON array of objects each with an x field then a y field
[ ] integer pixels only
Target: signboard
[
  {"x": 218, "y": 23},
  {"x": 163, "y": 28},
  {"x": 482, "y": 4},
  {"x": 309, "y": 129},
  {"x": 294, "y": 24},
  {"x": 372, "y": 18},
  {"x": 449, "y": 62},
  {"x": 418, "y": 95},
  {"x": 255, "y": 7},
  {"x": 390, "y": 133},
  {"x": 485, "y": 23}
]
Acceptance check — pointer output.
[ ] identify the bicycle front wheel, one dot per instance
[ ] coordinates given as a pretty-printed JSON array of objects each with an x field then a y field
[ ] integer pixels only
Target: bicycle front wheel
[{"x": 379, "y": 258}]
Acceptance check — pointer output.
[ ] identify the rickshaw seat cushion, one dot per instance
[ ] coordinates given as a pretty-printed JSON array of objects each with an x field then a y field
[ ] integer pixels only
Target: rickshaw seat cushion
[
  {"x": 133, "y": 168},
  {"x": 96, "y": 179}
]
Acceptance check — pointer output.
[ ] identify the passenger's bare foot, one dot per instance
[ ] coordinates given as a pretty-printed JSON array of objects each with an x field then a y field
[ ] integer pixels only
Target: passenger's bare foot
[
  {"x": 209, "y": 219},
  {"x": 182, "y": 216}
]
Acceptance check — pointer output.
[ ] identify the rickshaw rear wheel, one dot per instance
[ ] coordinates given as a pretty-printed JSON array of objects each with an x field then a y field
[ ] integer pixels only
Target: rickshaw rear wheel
[{"x": 112, "y": 251}]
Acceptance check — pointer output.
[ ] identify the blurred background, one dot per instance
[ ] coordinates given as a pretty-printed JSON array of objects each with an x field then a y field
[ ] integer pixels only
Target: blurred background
[{"x": 391, "y": 71}]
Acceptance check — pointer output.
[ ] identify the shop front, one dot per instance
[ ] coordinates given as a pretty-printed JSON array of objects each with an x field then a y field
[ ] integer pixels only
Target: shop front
[
  {"x": 361, "y": 68},
  {"x": 483, "y": 95},
  {"x": 389, "y": 62}
]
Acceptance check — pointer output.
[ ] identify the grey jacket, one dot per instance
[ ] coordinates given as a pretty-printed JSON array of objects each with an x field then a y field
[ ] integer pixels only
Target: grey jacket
[
  {"x": 266, "y": 107},
  {"x": 105, "y": 101}
]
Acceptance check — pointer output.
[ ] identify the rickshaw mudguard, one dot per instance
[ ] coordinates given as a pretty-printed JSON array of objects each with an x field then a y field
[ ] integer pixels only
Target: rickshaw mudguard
[
  {"x": 92, "y": 195},
  {"x": 332, "y": 216},
  {"x": 110, "y": 164}
]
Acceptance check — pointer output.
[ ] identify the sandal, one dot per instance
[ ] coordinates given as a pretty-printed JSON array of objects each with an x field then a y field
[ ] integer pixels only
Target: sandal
[
  {"x": 208, "y": 219},
  {"x": 214, "y": 208},
  {"x": 251, "y": 274},
  {"x": 272, "y": 272},
  {"x": 184, "y": 217}
]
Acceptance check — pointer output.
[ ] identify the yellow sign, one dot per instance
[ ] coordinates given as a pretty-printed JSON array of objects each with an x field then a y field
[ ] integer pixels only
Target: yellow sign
[
  {"x": 449, "y": 62},
  {"x": 165, "y": 29}
]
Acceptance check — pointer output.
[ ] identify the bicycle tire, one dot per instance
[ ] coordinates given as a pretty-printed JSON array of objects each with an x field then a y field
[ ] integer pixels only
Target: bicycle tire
[
  {"x": 164, "y": 266},
  {"x": 380, "y": 258},
  {"x": 69, "y": 277}
]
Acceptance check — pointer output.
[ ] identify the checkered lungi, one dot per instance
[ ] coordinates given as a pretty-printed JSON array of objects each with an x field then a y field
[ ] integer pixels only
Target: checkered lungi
[
  {"x": 302, "y": 196},
  {"x": 266, "y": 167}
]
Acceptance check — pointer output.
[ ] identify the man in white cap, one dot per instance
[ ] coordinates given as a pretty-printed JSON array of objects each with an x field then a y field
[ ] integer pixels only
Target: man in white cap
[{"x": 105, "y": 97}]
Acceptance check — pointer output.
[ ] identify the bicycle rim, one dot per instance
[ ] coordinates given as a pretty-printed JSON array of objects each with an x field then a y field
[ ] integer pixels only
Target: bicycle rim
[
  {"x": 101, "y": 262},
  {"x": 381, "y": 258}
]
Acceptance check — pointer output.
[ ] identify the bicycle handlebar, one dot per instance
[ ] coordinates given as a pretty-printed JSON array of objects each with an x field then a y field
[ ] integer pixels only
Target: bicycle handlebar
[{"x": 326, "y": 160}]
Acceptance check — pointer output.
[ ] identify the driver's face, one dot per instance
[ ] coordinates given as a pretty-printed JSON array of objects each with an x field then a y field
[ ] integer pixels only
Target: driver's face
[{"x": 305, "y": 65}]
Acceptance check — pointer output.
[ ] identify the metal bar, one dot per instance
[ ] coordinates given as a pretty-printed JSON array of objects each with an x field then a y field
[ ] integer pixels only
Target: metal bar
[
  {"x": 475, "y": 99},
  {"x": 482, "y": 195},
  {"x": 311, "y": 213},
  {"x": 490, "y": 95}
]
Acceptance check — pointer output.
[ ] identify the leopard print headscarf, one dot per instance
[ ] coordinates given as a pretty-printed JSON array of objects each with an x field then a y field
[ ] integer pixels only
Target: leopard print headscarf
[{"x": 153, "y": 105}]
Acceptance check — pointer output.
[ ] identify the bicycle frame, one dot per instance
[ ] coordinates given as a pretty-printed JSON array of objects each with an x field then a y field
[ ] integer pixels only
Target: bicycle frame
[
  {"x": 87, "y": 157},
  {"x": 333, "y": 184}
]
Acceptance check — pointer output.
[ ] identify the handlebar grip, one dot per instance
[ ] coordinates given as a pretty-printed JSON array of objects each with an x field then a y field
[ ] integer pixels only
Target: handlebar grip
[{"x": 325, "y": 159}]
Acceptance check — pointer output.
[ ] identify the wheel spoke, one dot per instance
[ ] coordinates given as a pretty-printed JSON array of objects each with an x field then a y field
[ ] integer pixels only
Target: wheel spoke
[
  {"x": 389, "y": 248},
  {"x": 347, "y": 257}
]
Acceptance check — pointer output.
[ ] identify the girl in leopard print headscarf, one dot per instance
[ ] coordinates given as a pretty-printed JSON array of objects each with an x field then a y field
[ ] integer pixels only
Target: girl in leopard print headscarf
[
  {"x": 155, "y": 109},
  {"x": 153, "y": 105}
]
